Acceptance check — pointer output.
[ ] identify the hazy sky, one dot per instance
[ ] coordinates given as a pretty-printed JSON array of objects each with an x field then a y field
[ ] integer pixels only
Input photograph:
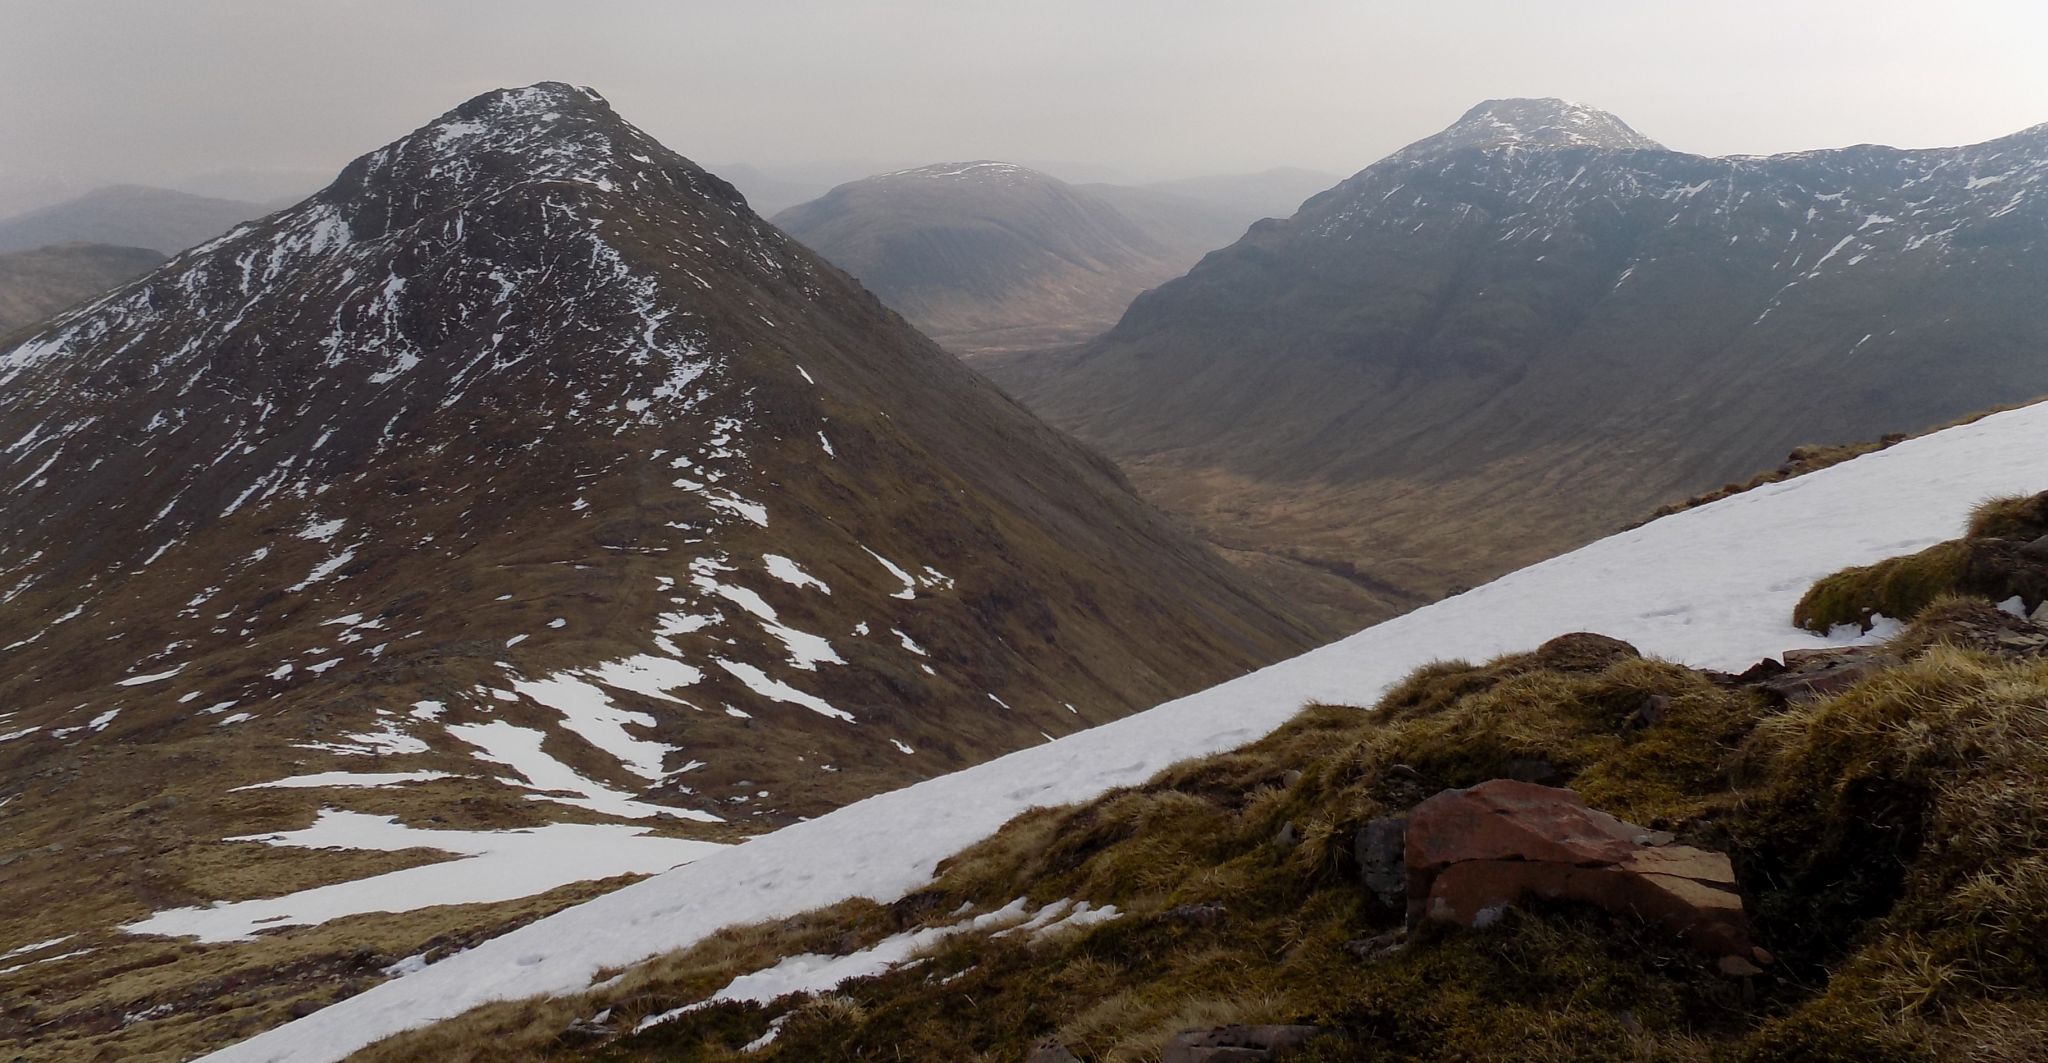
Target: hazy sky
[{"x": 99, "y": 90}]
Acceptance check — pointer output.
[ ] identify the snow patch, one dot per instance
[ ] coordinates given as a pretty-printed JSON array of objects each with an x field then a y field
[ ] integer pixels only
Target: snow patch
[{"x": 495, "y": 866}]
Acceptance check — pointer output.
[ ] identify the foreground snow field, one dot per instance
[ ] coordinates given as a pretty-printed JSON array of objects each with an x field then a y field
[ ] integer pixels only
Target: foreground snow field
[{"x": 1713, "y": 587}]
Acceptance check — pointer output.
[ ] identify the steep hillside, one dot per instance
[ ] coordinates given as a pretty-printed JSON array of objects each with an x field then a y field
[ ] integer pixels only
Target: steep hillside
[
  {"x": 1511, "y": 337},
  {"x": 986, "y": 256},
  {"x": 1713, "y": 588},
  {"x": 524, "y": 496},
  {"x": 127, "y": 216},
  {"x": 37, "y": 284}
]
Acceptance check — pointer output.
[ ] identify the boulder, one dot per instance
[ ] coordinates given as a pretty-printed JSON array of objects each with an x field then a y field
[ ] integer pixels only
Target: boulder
[
  {"x": 1472, "y": 853},
  {"x": 1811, "y": 675},
  {"x": 1235, "y": 1044},
  {"x": 1751, "y": 676},
  {"x": 2036, "y": 550},
  {"x": 1381, "y": 848}
]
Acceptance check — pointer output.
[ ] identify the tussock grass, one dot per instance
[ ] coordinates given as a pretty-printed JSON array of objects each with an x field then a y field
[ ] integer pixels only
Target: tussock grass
[
  {"x": 1907, "y": 818},
  {"x": 1898, "y": 587},
  {"x": 2021, "y": 517},
  {"x": 1985, "y": 563}
]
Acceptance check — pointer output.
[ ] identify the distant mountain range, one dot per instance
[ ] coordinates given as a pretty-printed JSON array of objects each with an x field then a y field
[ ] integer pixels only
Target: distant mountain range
[
  {"x": 128, "y": 216},
  {"x": 37, "y": 284},
  {"x": 1054, "y": 281},
  {"x": 1537, "y": 325},
  {"x": 992, "y": 256},
  {"x": 522, "y": 478},
  {"x": 985, "y": 256}
]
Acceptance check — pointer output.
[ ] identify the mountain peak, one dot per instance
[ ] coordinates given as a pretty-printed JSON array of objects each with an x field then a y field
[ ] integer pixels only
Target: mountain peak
[
  {"x": 981, "y": 170},
  {"x": 551, "y": 130},
  {"x": 541, "y": 134},
  {"x": 1542, "y": 123},
  {"x": 538, "y": 98}
]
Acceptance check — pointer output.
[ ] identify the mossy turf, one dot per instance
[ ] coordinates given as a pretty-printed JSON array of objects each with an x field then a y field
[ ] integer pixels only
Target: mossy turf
[
  {"x": 1986, "y": 563},
  {"x": 1891, "y": 843},
  {"x": 2022, "y": 518}
]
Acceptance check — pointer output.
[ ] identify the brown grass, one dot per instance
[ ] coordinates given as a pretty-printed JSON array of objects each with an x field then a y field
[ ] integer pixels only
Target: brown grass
[{"x": 2020, "y": 517}]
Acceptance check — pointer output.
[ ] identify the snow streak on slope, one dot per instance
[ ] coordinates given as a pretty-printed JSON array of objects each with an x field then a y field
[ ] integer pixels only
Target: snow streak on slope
[
  {"x": 1712, "y": 587},
  {"x": 497, "y": 865}
]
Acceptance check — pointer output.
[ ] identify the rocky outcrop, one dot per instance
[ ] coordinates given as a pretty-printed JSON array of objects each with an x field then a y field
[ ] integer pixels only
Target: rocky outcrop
[
  {"x": 1811, "y": 675},
  {"x": 1236, "y": 1044},
  {"x": 1472, "y": 853}
]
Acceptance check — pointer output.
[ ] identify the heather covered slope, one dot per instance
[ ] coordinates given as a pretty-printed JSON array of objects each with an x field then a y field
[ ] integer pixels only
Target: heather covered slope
[
  {"x": 1710, "y": 588},
  {"x": 37, "y": 284},
  {"x": 987, "y": 256},
  {"x": 1528, "y": 330},
  {"x": 522, "y": 480}
]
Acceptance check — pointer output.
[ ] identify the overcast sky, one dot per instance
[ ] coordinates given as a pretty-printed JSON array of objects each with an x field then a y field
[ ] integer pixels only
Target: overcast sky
[{"x": 100, "y": 90}]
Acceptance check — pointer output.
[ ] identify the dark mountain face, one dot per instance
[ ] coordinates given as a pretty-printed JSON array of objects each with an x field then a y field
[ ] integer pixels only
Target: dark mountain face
[
  {"x": 127, "y": 216},
  {"x": 36, "y": 284},
  {"x": 1518, "y": 334},
  {"x": 526, "y": 443},
  {"x": 986, "y": 256}
]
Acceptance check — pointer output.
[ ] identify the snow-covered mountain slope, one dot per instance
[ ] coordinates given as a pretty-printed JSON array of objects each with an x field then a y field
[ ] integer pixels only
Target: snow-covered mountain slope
[
  {"x": 1712, "y": 587},
  {"x": 522, "y": 478},
  {"x": 1539, "y": 123},
  {"x": 1537, "y": 326}
]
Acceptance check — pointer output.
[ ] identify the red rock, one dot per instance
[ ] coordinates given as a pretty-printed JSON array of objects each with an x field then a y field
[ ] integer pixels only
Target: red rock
[{"x": 1472, "y": 853}]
